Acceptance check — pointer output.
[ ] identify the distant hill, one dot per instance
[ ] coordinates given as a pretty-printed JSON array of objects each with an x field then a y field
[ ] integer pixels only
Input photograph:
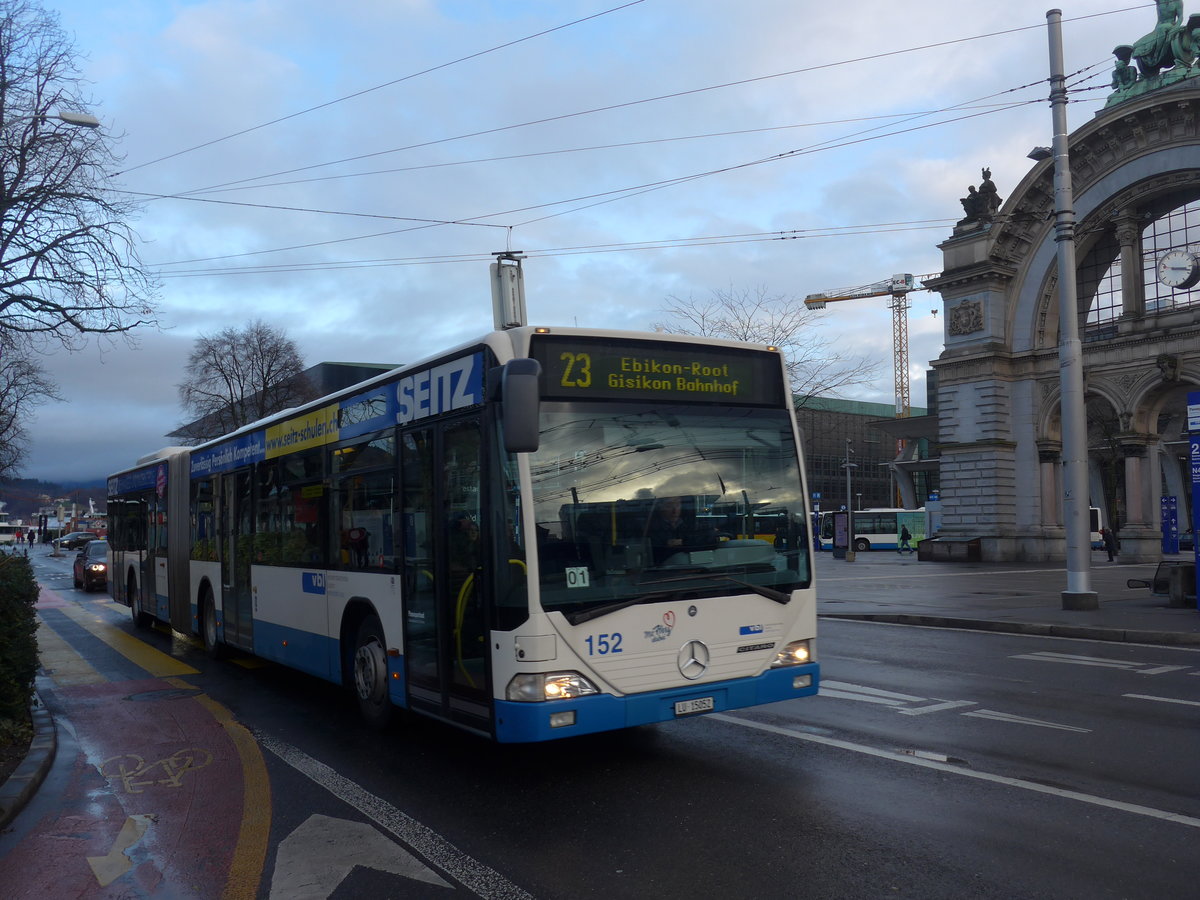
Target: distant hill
[{"x": 23, "y": 496}]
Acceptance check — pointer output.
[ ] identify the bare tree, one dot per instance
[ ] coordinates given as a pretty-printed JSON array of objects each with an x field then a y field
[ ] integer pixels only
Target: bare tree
[
  {"x": 68, "y": 259},
  {"x": 814, "y": 366},
  {"x": 23, "y": 385},
  {"x": 237, "y": 376}
]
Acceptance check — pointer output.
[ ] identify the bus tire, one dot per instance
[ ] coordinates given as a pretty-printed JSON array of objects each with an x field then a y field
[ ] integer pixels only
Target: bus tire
[
  {"x": 371, "y": 674},
  {"x": 140, "y": 619},
  {"x": 862, "y": 545},
  {"x": 213, "y": 645}
]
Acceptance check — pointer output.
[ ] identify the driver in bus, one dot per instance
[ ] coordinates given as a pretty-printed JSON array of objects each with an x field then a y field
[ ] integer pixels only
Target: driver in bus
[{"x": 671, "y": 531}]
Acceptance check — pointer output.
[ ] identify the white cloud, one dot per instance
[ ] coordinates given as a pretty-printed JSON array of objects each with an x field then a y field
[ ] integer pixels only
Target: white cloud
[{"x": 171, "y": 77}]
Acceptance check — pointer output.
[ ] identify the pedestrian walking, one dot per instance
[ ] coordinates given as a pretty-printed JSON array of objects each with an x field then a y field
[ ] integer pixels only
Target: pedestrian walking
[
  {"x": 905, "y": 537},
  {"x": 1110, "y": 542}
]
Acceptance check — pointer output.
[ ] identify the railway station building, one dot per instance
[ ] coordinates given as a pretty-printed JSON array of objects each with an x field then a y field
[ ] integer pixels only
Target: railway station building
[{"x": 1135, "y": 169}]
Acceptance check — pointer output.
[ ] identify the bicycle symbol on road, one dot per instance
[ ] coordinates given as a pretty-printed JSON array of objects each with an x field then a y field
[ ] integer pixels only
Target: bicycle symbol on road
[{"x": 133, "y": 769}]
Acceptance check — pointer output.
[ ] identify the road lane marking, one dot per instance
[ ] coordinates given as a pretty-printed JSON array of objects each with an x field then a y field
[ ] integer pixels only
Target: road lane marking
[
  {"x": 1162, "y": 699},
  {"x": 129, "y": 766},
  {"x": 843, "y": 690},
  {"x": 1022, "y": 720},
  {"x": 1139, "y": 668},
  {"x": 315, "y": 859},
  {"x": 61, "y": 661},
  {"x": 936, "y": 707},
  {"x": 116, "y": 862},
  {"x": 250, "y": 851},
  {"x": 1034, "y": 787},
  {"x": 138, "y": 652},
  {"x": 903, "y": 704},
  {"x": 472, "y": 874}
]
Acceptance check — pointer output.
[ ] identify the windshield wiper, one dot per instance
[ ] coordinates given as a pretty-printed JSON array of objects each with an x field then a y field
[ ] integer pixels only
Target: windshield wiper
[
  {"x": 578, "y": 618},
  {"x": 770, "y": 593}
]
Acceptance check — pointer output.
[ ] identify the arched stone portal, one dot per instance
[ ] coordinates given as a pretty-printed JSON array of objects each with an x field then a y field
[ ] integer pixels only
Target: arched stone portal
[{"x": 1136, "y": 177}]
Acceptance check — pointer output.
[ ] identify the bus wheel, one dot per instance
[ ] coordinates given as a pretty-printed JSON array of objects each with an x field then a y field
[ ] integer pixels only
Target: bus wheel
[
  {"x": 371, "y": 674},
  {"x": 862, "y": 545},
  {"x": 140, "y": 619},
  {"x": 213, "y": 645}
]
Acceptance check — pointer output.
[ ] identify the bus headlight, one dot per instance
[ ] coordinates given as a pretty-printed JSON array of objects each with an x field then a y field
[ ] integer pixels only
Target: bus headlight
[
  {"x": 537, "y": 686},
  {"x": 794, "y": 654}
]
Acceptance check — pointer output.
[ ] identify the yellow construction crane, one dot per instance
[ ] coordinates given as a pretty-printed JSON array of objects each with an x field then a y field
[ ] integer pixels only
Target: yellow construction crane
[{"x": 898, "y": 287}]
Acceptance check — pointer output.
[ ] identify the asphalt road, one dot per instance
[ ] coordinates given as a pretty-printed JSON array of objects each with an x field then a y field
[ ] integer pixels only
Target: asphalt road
[{"x": 935, "y": 763}]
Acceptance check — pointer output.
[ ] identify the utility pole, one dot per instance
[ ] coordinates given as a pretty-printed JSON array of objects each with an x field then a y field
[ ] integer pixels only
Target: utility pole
[{"x": 1072, "y": 409}]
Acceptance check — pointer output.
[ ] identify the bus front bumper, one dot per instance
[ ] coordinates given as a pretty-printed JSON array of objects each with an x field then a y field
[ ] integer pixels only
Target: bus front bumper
[{"x": 550, "y": 720}]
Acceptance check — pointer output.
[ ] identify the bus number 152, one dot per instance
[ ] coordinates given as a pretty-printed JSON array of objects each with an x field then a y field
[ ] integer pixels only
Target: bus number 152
[{"x": 603, "y": 644}]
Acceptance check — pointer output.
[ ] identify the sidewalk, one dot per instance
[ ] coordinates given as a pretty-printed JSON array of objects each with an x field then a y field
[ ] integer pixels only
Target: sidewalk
[{"x": 1022, "y": 598}]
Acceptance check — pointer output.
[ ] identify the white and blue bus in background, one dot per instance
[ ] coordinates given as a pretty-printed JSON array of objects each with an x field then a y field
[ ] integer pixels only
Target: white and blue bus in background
[
  {"x": 474, "y": 537},
  {"x": 879, "y": 528}
]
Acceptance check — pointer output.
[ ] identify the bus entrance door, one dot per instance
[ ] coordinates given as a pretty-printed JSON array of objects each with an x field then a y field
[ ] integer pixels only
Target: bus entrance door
[
  {"x": 444, "y": 583},
  {"x": 235, "y": 559}
]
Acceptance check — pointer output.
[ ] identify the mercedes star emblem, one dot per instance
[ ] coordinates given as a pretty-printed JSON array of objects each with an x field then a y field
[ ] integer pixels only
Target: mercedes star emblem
[{"x": 693, "y": 660}]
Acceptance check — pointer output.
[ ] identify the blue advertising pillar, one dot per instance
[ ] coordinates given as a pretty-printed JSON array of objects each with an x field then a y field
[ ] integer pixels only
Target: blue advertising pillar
[{"x": 1194, "y": 457}]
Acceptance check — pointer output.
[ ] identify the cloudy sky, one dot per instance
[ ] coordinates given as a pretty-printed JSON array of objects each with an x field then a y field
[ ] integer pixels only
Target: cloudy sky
[{"x": 345, "y": 171}]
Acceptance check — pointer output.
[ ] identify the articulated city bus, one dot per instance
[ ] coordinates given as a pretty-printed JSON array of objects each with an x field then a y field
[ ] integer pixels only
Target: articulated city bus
[
  {"x": 544, "y": 533},
  {"x": 878, "y": 528}
]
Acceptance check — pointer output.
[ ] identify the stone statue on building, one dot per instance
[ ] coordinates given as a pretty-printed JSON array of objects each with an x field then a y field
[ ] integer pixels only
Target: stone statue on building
[
  {"x": 989, "y": 200},
  {"x": 980, "y": 205},
  {"x": 1165, "y": 56}
]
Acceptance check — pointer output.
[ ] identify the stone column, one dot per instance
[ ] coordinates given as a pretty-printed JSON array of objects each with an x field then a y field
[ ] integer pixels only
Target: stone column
[
  {"x": 1139, "y": 534},
  {"x": 1133, "y": 291},
  {"x": 1049, "y": 469}
]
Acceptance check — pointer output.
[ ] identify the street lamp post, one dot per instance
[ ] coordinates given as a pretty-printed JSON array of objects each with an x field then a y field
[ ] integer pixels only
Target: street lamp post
[
  {"x": 79, "y": 119},
  {"x": 1073, "y": 412}
]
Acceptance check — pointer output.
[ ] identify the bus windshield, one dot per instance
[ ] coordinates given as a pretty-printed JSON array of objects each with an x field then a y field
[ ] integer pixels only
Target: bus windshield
[{"x": 642, "y": 503}]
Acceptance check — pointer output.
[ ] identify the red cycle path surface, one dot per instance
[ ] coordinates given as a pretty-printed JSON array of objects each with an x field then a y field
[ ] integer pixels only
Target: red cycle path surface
[{"x": 153, "y": 802}]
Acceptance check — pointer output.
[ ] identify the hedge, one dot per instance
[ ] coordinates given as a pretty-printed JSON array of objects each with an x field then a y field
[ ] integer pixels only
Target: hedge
[{"x": 18, "y": 636}]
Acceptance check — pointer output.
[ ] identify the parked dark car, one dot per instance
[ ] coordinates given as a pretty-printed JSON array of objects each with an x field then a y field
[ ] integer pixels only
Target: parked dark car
[
  {"x": 75, "y": 540},
  {"x": 91, "y": 566}
]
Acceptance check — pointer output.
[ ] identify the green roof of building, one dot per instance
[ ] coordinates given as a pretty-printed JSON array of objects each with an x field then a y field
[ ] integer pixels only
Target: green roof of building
[{"x": 853, "y": 407}]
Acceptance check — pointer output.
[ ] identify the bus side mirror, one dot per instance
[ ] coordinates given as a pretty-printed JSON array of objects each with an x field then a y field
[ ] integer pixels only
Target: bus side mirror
[{"x": 521, "y": 398}]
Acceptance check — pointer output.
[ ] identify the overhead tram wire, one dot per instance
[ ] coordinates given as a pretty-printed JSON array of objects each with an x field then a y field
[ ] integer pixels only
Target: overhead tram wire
[
  {"x": 832, "y": 143},
  {"x": 619, "y": 194},
  {"x": 561, "y": 151},
  {"x": 600, "y": 198},
  {"x": 377, "y": 87},
  {"x": 617, "y": 247},
  {"x": 669, "y": 96}
]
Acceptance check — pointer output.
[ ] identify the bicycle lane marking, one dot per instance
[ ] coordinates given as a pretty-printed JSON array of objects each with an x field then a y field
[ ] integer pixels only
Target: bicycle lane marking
[{"x": 160, "y": 785}]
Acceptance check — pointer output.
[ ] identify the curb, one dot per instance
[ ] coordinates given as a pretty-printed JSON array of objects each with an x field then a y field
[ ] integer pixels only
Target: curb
[
  {"x": 1089, "y": 632},
  {"x": 20, "y": 787}
]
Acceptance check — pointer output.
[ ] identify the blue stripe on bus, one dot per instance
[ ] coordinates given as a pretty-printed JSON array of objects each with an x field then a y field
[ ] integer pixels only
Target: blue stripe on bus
[
  {"x": 604, "y": 712},
  {"x": 303, "y": 650},
  {"x": 317, "y": 655}
]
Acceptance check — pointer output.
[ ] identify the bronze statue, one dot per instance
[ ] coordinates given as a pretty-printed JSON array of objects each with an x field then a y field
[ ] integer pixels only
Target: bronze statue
[
  {"x": 1153, "y": 51},
  {"x": 1165, "y": 56},
  {"x": 1124, "y": 75}
]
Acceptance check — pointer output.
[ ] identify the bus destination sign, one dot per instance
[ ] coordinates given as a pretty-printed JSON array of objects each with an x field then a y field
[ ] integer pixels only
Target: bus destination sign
[{"x": 616, "y": 369}]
